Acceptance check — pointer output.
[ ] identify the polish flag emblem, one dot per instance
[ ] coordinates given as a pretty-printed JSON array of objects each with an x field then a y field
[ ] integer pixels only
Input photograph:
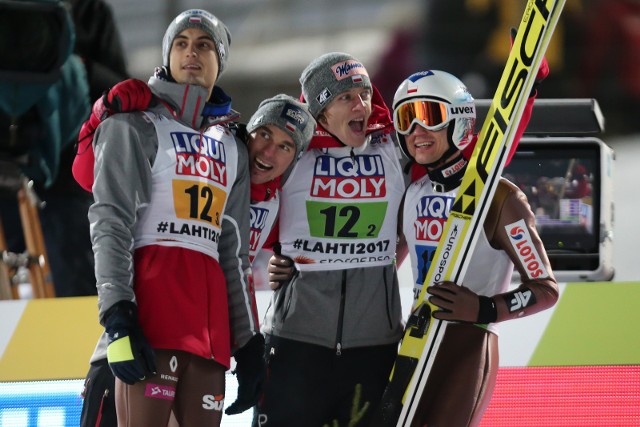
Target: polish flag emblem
[{"x": 290, "y": 127}]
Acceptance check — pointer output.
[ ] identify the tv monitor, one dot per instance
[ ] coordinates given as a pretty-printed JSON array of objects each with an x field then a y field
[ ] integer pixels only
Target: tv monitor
[{"x": 568, "y": 182}]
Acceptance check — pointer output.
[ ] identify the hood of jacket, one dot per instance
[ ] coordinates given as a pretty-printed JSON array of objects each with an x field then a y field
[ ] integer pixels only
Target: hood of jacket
[{"x": 189, "y": 105}]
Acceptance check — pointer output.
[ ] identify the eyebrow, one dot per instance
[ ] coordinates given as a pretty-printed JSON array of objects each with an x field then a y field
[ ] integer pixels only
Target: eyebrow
[
  {"x": 203, "y": 37},
  {"x": 288, "y": 143}
]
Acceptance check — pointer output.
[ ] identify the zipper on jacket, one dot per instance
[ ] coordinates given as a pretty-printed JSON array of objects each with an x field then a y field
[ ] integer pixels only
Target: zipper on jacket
[{"x": 343, "y": 292}]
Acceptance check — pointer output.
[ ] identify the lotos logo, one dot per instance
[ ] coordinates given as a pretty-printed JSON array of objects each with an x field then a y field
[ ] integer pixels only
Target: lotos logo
[
  {"x": 294, "y": 116},
  {"x": 526, "y": 251},
  {"x": 455, "y": 168},
  {"x": 516, "y": 233}
]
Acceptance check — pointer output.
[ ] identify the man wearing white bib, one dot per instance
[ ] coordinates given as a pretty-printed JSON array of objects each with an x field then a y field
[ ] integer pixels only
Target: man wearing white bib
[
  {"x": 170, "y": 232},
  {"x": 434, "y": 116},
  {"x": 332, "y": 330}
]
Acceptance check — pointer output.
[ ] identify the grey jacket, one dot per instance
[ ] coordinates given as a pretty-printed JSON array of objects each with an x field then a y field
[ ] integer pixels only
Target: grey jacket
[
  {"x": 356, "y": 307},
  {"x": 125, "y": 147}
]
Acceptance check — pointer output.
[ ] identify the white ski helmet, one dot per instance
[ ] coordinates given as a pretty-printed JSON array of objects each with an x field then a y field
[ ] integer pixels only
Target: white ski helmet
[{"x": 433, "y": 99}]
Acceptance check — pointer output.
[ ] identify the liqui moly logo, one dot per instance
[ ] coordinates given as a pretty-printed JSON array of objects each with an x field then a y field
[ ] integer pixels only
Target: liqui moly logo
[
  {"x": 521, "y": 241},
  {"x": 359, "y": 177},
  {"x": 199, "y": 155},
  {"x": 258, "y": 219},
  {"x": 431, "y": 215}
]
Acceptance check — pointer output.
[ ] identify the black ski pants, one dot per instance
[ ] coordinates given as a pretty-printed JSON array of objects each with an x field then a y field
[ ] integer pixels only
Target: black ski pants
[{"x": 312, "y": 386}]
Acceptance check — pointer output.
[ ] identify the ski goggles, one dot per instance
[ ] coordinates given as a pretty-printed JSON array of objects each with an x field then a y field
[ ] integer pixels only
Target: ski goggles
[{"x": 431, "y": 115}]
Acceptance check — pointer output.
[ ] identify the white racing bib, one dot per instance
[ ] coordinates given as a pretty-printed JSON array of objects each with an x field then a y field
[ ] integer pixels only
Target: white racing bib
[
  {"x": 340, "y": 210},
  {"x": 262, "y": 217},
  {"x": 192, "y": 177},
  {"x": 424, "y": 217}
]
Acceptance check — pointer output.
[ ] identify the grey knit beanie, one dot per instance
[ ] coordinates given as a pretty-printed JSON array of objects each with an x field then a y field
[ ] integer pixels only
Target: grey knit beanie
[
  {"x": 288, "y": 114},
  {"x": 329, "y": 75},
  {"x": 198, "y": 18}
]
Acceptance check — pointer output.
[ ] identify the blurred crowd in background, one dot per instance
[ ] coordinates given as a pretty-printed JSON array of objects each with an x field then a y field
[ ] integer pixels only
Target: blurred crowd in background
[{"x": 595, "y": 53}]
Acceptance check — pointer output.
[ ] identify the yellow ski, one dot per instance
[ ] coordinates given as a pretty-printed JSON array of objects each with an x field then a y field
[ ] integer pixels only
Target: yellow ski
[{"x": 423, "y": 334}]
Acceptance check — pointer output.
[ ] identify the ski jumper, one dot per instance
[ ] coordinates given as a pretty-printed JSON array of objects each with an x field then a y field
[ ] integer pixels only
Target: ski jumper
[
  {"x": 335, "y": 325},
  {"x": 463, "y": 376},
  {"x": 170, "y": 229},
  {"x": 172, "y": 193}
]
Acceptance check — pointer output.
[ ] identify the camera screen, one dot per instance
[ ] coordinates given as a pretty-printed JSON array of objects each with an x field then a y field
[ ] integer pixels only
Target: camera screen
[{"x": 562, "y": 183}]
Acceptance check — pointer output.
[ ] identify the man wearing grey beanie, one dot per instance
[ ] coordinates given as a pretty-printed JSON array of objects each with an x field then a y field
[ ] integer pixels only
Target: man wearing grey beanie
[
  {"x": 276, "y": 134},
  {"x": 170, "y": 232},
  {"x": 333, "y": 326}
]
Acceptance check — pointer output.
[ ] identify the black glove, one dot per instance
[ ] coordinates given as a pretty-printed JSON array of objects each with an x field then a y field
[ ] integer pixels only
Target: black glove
[
  {"x": 251, "y": 371},
  {"x": 130, "y": 357}
]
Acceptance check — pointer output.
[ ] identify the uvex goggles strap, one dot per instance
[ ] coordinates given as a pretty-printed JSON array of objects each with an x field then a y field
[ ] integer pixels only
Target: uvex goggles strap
[{"x": 432, "y": 115}]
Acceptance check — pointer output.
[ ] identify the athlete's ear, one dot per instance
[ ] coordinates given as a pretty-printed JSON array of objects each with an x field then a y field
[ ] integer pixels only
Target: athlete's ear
[{"x": 322, "y": 119}]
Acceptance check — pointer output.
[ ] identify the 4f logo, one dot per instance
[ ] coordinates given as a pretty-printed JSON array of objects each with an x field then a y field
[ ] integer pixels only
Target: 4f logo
[
  {"x": 324, "y": 95},
  {"x": 520, "y": 300}
]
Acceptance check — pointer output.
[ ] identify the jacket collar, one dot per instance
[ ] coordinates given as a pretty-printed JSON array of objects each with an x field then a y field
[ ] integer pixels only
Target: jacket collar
[
  {"x": 265, "y": 192},
  {"x": 188, "y": 103}
]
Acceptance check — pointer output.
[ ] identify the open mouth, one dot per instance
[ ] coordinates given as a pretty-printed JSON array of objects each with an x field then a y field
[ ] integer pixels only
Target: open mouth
[
  {"x": 423, "y": 144},
  {"x": 260, "y": 165},
  {"x": 357, "y": 125}
]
